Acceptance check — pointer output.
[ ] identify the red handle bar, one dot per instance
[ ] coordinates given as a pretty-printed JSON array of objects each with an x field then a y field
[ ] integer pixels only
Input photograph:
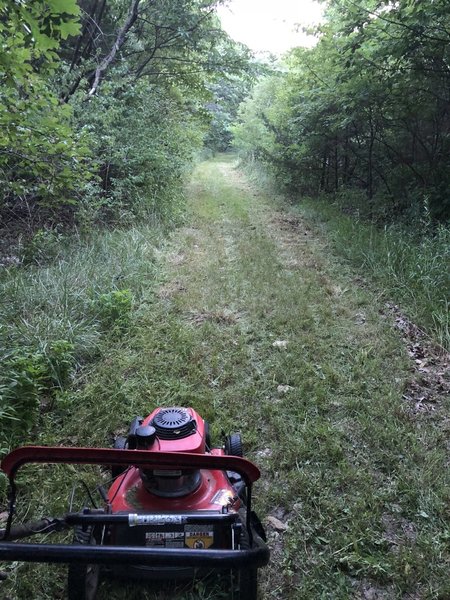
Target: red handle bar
[{"x": 139, "y": 458}]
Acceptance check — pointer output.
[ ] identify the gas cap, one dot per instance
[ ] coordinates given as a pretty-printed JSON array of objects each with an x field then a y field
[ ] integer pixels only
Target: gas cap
[{"x": 145, "y": 436}]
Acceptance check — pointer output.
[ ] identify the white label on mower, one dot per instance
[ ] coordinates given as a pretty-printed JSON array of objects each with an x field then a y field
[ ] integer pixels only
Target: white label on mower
[
  {"x": 164, "y": 539},
  {"x": 135, "y": 520}
]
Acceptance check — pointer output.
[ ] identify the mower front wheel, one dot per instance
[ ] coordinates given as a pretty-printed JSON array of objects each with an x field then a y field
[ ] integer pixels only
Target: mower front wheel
[
  {"x": 83, "y": 579},
  {"x": 120, "y": 443},
  {"x": 233, "y": 445}
]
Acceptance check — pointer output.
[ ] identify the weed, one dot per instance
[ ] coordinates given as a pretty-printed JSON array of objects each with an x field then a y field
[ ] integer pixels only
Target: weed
[
  {"x": 42, "y": 247},
  {"x": 26, "y": 377},
  {"x": 60, "y": 361},
  {"x": 22, "y": 381},
  {"x": 114, "y": 308}
]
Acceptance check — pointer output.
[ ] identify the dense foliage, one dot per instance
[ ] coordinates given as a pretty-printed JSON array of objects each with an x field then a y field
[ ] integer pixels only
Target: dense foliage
[
  {"x": 365, "y": 112},
  {"x": 42, "y": 159},
  {"x": 101, "y": 105}
]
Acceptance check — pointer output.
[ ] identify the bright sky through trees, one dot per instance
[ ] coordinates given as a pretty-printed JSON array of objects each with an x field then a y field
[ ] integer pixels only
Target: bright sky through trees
[{"x": 272, "y": 25}]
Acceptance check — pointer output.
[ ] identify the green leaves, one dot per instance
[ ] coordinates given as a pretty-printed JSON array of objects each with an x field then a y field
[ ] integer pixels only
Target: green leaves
[
  {"x": 69, "y": 28},
  {"x": 39, "y": 159},
  {"x": 33, "y": 31},
  {"x": 369, "y": 106},
  {"x": 59, "y": 7}
]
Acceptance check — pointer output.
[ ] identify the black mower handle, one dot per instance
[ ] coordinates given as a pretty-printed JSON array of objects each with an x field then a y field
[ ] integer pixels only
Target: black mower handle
[
  {"x": 100, "y": 518},
  {"x": 30, "y": 528},
  {"x": 258, "y": 556}
]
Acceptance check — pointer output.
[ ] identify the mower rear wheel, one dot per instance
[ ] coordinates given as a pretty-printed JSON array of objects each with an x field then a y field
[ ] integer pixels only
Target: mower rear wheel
[
  {"x": 246, "y": 580},
  {"x": 248, "y": 584},
  {"x": 83, "y": 579}
]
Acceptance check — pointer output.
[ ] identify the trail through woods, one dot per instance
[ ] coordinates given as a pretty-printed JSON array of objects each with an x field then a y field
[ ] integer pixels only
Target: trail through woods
[{"x": 339, "y": 400}]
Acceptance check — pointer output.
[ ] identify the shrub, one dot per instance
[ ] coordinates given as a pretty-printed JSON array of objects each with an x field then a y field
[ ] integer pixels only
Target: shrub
[
  {"x": 44, "y": 245},
  {"x": 28, "y": 375}
]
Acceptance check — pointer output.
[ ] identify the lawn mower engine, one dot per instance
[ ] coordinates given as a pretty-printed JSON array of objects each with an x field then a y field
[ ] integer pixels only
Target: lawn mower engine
[
  {"x": 181, "y": 491},
  {"x": 176, "y": 508},
  {"x": 168, "y": 430}
]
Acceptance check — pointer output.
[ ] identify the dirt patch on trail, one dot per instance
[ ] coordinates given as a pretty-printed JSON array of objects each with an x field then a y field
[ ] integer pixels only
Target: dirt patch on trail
[
  {"x": 300, "y": 248},
  {"x": 170, "y": 289},
  {"x": 430, "y": 364},
  {"x": 291, "y": 223},
  {"x": 369, "y": 590},
  {"x": 235, "y": 178},
  {"x": 291, "y": 229},
  {"x": 221, "y": 317},
  {"x": 176, "y": 258},
  {"x": 276, "y": 527},
  {"x": 398, "y": 531}
]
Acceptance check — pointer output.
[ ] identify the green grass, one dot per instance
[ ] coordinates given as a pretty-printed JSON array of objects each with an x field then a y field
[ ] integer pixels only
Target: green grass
[
  {"x": 361, "y": 481},
  {"x": 410, "y": 267},
  {"x": 53, "y": 316}
]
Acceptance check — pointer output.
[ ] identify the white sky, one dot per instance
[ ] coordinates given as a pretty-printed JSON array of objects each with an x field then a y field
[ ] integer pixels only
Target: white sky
[{"x": 270, "y": 24}]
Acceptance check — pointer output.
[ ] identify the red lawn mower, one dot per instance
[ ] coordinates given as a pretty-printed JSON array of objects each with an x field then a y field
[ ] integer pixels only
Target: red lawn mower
[{"x": 176, "y": 509}]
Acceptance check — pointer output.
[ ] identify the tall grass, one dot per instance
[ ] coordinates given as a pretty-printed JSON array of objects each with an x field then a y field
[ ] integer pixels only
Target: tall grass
[
  {"x": 53, "y": 315},
  {"x": 411, "y": 266}
]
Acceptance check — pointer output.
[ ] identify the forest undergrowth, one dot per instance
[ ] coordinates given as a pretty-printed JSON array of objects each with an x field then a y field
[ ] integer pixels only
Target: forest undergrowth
[{"x": 246, "y": 315}]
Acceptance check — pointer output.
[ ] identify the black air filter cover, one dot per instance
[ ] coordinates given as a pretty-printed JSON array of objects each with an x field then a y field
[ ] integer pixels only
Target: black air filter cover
[{"x": 173, "y": 423}]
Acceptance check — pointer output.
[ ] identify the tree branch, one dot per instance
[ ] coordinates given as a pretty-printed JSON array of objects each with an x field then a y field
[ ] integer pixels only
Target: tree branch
[{"x": 120, "y": 39}]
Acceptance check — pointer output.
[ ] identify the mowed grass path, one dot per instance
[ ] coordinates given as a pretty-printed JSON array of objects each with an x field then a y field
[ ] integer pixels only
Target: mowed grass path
[{"x": 255, "y": 325}]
